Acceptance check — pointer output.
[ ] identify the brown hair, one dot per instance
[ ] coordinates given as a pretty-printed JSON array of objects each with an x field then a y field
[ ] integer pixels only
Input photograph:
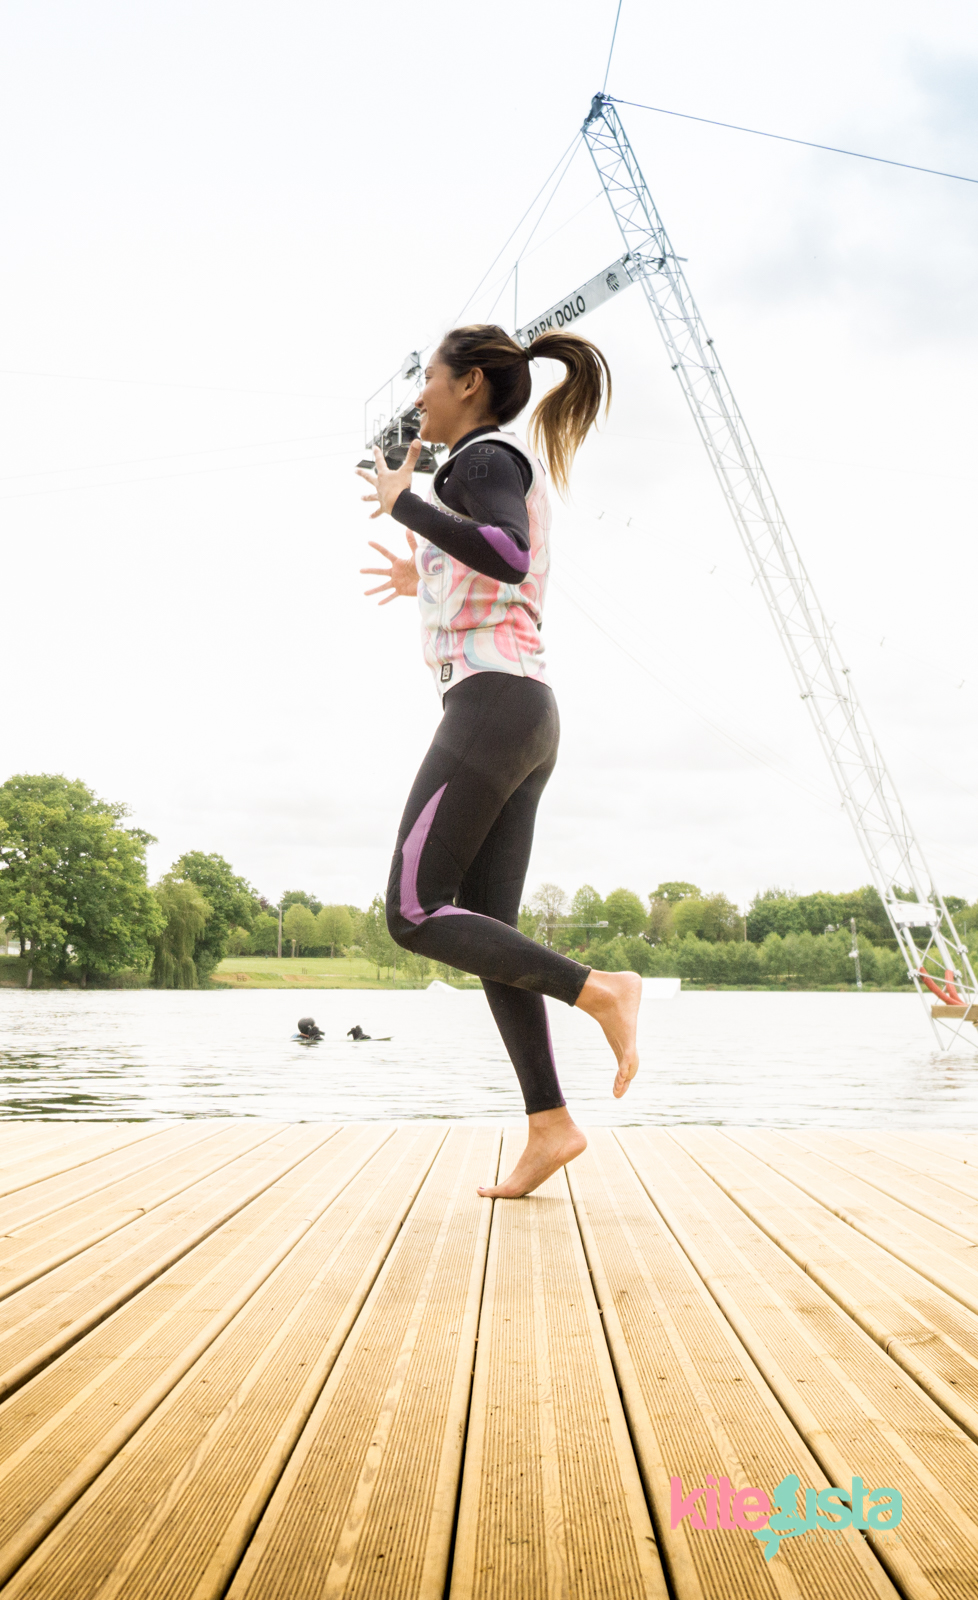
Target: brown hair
[{"x": 565, "y": 415}]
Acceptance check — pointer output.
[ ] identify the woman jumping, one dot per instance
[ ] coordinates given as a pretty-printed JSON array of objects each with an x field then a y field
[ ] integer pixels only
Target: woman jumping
[{"x": 480, "y": 574}]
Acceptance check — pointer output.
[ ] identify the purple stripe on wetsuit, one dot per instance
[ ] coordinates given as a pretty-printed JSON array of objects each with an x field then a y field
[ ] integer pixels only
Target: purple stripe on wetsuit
[
  {"x": 411, "y": 859},
  {"x": 506, "y": 547},
  {"x": 411, "y": 908},
  {"x": 466, "y": 837}
]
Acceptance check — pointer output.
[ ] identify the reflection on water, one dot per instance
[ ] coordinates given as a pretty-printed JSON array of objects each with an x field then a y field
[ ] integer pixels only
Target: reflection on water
[{"x": 843, "y": 1060}]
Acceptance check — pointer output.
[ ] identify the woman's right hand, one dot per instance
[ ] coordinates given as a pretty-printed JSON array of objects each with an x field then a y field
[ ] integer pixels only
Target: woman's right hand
[{"x": 401, "y": 576}]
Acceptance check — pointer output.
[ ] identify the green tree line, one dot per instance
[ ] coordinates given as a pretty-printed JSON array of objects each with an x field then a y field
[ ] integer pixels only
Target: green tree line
[
  {"x": 782, "y": 939},
  {"x": 76, "y": 902}
]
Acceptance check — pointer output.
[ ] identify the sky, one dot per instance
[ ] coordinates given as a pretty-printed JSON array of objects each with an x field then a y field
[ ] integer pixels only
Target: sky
[{"x": 226, "y": 225}]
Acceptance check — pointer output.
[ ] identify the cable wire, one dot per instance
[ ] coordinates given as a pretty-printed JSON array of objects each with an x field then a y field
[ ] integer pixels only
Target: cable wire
[
  {"x": 519, "y": 225},
  {"x": 614, "y": 35},
  {"x": 546, "y": 240},
  {"x": 933, "y": 172},
  {"x": 162, "y": 477},
  {"x": 819, "y": 797}
]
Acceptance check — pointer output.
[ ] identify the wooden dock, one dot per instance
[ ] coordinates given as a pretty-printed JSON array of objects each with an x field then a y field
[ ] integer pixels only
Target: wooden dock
[{"x": 298, "y": 1362}]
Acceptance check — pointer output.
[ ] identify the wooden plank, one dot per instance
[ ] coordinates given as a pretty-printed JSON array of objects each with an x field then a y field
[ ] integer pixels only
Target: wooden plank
[
  {"x": 858, "y": 1412},
  {"x": 366, "y": 1505},
  {"x": 696, "y": 1403},
  {"x": 928, "y": 1248},
  {"x": 30, "y": 1161},
  {"x": 930, "y": 1335},
  {"x": 170, "y": 1515},
  {"x": 64, "y": 1426},
  {"x": 551, "y": 1502},
  {"x": 46, "y": 1242},
  {"x": 18, "y": 1132},
  {"x": 928, "y": 1162},
  {"x": 958, "y": 1146},
  {"x": 87, "y": 1180},
  {"x": 51, "y": 1313},
  {"x": 966, "y": 1013},
  {"x": 932, "y": 1197}
]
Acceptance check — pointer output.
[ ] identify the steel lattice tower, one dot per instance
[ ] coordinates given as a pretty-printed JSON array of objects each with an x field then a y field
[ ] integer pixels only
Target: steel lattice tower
[{"x": 869, "y": 796}]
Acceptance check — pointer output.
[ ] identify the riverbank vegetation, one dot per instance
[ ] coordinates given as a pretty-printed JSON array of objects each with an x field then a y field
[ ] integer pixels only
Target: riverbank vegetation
[{"x": 77, "y": 908}]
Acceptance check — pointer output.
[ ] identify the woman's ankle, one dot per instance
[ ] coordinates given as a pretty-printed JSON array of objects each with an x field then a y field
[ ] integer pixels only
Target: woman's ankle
[{"x": 544, "y": 1121}]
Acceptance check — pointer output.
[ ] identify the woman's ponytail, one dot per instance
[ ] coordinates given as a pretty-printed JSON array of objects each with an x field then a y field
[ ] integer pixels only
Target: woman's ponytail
[{"x": 565, "y": 415}]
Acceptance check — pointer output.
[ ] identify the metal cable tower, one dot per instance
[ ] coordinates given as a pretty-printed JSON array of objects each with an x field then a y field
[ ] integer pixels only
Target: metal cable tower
[{"x": 936, "y": 958}]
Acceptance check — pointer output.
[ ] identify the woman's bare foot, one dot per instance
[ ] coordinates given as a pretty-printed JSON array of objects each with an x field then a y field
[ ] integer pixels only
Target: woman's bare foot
[
  {"x": 613, "y": 999},
  {"x": 553, "y": 1139}
]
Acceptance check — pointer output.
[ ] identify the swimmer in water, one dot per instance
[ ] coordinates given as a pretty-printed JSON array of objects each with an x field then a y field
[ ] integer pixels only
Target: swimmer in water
[
  {"x": 308, "y": 1029},
  {"x": 356, "y": 1033},
  {"x": 477, "y": 561}
]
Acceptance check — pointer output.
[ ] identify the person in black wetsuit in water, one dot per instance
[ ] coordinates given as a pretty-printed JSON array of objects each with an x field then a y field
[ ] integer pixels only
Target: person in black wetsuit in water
[
  {"x": 308, "y": 1030},
  {"x": 479, "y": 575}
]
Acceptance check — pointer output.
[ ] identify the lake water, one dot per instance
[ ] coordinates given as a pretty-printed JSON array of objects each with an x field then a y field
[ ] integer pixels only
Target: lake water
[{"x": 844, "y": 1060}]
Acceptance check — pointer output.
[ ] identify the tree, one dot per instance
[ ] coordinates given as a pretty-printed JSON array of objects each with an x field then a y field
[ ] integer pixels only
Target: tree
[
  {"x": 376, "y": 942},
  {"x": 263, "y": 939},
  {"x": 299, "y": 926},
  {"x": 625, "y": 912},
  {"x": 587, "y": 905},
  {"x": 298, "y": 897},
  {"x": 782, "y": 912},
  {"x": 232, "y": 901},
  {"x": 587, "y": 910},
  {"x": 528, "y": 922},
  {"x": 334, "y": 926},
  {"x": 662, "y": 921},
  {"x": 711, "y": 917},
  {"x": 775, "y": 911},
  {"x": 417, "y": 966},
  {"x": 239, "y": 942},
  {"x": 675, "y": 891},
  {"x": 73, "y": 879},
  {"x": 550, "y": 902},
  {"x": 185, "y": 914}
]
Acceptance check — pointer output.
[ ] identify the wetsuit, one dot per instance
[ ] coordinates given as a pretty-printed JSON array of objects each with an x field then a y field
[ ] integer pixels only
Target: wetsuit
[
  {"x": 464, "y": 843},
  {"x": 483, "y": 559}
]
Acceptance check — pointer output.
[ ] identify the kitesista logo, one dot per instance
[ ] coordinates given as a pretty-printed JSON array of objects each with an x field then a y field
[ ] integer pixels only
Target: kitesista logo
[{"x": 827, "y": 1512}]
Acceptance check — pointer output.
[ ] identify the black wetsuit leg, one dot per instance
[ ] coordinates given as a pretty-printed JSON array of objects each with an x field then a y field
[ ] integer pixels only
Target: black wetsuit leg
[{"x": 461, "y": 858}]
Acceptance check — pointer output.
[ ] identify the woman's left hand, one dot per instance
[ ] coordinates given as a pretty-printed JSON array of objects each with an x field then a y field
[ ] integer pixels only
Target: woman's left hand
[
  {"x": 401, "y": 577},
  {"x": 387, "y": 484}
]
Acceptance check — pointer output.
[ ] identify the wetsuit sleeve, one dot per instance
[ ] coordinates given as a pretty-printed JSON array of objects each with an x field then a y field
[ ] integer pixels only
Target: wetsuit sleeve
[{"x": 488, "y": 526}]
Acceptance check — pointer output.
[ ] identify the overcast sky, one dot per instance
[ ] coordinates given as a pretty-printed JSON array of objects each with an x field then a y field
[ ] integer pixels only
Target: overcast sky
[{"x": 225, "y": 225}]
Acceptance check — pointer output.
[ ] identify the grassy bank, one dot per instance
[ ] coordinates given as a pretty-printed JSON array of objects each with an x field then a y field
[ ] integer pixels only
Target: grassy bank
[
  {"x": 248, "y": 972},
  {"x": 313, "y": 972},
  {"x": 13, "y": 975},
  {"x": 356, "y": 972}
]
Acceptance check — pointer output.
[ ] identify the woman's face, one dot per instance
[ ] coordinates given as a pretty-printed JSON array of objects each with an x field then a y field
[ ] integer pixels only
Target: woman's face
[{"x": 451, "y": 406}]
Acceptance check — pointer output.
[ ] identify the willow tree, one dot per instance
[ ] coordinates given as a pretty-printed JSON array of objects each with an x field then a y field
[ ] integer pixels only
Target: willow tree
[
  {"x": 186, "y": 912},
  {"x": 231, "y": 900}
]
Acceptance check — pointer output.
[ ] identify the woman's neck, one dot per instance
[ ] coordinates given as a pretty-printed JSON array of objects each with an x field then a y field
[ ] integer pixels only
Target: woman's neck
[{"x": 483, "y": 425}]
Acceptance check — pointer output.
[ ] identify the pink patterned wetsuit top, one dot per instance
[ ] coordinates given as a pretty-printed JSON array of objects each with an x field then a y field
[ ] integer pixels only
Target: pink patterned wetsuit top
[{"x": 473, "y": 618}]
